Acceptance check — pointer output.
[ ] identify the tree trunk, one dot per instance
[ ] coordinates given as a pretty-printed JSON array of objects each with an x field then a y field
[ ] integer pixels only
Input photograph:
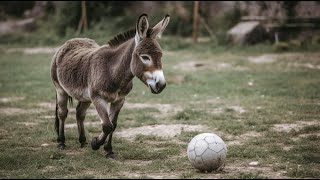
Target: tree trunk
[
  {"x": 84, "y": 15},
  {"x": 83, "y": 24},
  {"x": 195, "y": 21}
]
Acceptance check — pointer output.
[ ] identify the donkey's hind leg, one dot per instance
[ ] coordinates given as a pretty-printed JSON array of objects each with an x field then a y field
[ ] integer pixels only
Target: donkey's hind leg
[
  {"x": 80, "y": 115},
  {"x": 61, "y": 113}
]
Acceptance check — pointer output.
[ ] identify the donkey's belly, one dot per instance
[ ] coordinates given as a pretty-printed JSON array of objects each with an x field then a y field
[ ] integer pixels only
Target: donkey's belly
[{"x": 81, "y": 94}]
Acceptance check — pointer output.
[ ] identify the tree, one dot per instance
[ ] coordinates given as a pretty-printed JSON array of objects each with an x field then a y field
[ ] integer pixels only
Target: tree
[{"x": 195, "y": 21}]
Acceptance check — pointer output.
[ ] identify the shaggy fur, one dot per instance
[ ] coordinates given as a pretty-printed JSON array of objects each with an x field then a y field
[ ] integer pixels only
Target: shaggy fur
[{"x": 90, "y": 73}]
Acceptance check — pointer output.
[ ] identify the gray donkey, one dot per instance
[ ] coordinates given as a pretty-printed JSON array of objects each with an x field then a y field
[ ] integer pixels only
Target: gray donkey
[{"x": 90, "y": 73}]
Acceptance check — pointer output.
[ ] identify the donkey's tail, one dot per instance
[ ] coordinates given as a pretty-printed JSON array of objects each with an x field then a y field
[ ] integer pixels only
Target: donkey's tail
[{"x": 57, "y": 118}]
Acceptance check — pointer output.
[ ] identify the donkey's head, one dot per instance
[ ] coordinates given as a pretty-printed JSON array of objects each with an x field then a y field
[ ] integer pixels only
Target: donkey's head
[{"x": 146, "y": 58}]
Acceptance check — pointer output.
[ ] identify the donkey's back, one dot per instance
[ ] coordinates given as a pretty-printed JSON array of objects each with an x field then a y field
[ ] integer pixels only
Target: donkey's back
[{"x": 74, "y": 48}]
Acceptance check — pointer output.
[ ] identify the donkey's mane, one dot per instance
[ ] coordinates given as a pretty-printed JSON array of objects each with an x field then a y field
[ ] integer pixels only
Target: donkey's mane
[{"x": 123, "y": 37}]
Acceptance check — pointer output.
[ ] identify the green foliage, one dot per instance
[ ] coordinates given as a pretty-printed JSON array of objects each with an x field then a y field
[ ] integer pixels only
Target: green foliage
[
  {"x": 68, "y": 14},
  {"x": 108, "y": 18},
  {"x": 223, "y": 23},
  {"x": 289, "y": 7},
  {"x": 15, "y": 8},
  {"x": 181, "y": 26}
]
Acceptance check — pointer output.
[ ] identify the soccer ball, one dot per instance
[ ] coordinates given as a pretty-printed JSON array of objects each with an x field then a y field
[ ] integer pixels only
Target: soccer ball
[{"x": 207, "y": 152}]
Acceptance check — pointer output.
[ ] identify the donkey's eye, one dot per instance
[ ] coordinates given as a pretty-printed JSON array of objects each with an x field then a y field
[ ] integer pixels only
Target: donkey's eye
[{"x": 145, "y": 58}]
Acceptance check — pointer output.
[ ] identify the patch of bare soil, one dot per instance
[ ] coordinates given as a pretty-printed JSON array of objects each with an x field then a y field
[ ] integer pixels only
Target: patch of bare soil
[
  {"x": 159, "y": 130},
  {"x": 35, "y": 50},
  {"x": 303, "y": 65},
  {"x": 309, "y": 134},
  {"x": 165, "y": 109},
  {"x": 239, "y": 140},
  {"x": 162, "y": 176},
  {"x": 296, "y": 60},
  {"x": 48, "y": 117},
  {"x": 74, "y": 125},
  {"x": 48, "y": 169},
  {"x": 263, "y": 59},
  {"x": 294, "y": 126},
  {"x": 11, "y": 99},
  {"x": 15, "y": 111},
  {"x": 28, "y": 123},
  {"x": 47, "y": 105},
  {"x": 266, "y": 171},
  {"x": 151, "y": 175},
  {"x": 219, "y": 110},
  {"x": 237, "y": 109},
  {"x": 206, "y": 65},
  {"x": 12, "y": 111}
]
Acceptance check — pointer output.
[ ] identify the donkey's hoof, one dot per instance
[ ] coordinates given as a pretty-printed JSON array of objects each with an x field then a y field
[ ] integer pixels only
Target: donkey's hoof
[
  {"x": 94, "y": 144},
  {"x": 111, "y": 155},
  {"x": 61, "y": 146}
]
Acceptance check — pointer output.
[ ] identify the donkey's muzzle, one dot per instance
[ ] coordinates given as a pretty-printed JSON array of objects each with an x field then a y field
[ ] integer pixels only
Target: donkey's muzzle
[
  {"x": 158, "y": 88},
  {"x": 156, "y": 81}
]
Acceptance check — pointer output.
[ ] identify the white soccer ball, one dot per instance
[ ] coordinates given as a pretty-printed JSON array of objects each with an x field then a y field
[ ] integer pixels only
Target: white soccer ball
[{"x": 207, "y": 152}]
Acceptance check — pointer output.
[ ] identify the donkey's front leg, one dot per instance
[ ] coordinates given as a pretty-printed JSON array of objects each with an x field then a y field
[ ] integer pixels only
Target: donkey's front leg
[
  {"x": 113, "y": 116},
  {"x": 107, "y": 126}
]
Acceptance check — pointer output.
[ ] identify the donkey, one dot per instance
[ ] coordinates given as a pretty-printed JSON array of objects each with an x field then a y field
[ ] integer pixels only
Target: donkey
[{"x": 103, "y": 75}]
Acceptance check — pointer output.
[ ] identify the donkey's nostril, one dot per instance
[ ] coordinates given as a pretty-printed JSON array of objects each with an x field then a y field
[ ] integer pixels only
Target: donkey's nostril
[
  {"x": 160, "y": 87},
  {"x": 157, "y": 85}
]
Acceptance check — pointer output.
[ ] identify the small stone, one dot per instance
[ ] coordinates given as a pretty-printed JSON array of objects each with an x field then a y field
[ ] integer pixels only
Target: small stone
[
  {"x": 45, "y": 145},
  {"x": 254, "y": 163}
]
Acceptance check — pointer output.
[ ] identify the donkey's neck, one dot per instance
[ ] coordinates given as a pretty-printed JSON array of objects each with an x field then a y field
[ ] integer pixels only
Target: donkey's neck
[
  {"x": 124, "y": 52},
  {"x": 121, "y": 57}
]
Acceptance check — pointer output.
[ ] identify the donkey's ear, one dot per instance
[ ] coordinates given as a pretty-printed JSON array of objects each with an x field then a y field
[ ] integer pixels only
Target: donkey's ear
[
  {"x": 142, "y": 27},
  {"x": 158, "y": 29}
]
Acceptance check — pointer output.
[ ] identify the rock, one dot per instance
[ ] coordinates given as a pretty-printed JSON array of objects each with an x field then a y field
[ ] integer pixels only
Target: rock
[
  {"x": 249, "y": 32},
  {"x": 254, "y": 163},
  {"x": 45, "y": 145}
]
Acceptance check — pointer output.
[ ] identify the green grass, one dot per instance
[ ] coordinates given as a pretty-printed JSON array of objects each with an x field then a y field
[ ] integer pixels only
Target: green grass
[{"x": 208, "y": 96}]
